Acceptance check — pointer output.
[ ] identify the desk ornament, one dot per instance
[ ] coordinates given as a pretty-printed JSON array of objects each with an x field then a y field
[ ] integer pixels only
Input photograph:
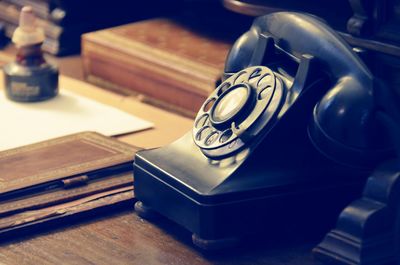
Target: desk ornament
[{"x": 30, "y": 78}]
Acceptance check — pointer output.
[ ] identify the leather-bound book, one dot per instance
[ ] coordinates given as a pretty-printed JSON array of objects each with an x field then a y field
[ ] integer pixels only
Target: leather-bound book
[
  {"x": 167, "y": 62},
  {"x": 61, "y": 179}
]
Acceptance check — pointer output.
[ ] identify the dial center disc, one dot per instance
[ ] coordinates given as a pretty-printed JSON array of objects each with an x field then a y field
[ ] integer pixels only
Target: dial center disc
[{"x": 230, "y": 104}]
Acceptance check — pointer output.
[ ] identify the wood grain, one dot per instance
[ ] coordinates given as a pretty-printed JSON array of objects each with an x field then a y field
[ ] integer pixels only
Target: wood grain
[
  {"x": 124, "y": 238},
  {"x": 120, "y": 236}
]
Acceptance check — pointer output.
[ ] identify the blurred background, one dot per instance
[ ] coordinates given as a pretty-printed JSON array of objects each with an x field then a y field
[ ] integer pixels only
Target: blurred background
[{"x": 371, "y": 26}]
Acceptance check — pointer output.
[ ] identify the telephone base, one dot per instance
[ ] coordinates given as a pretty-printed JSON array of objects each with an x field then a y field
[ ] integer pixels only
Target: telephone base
[
  {"x": 276, "y": 206},
  {"x": 149, "y": 214}
]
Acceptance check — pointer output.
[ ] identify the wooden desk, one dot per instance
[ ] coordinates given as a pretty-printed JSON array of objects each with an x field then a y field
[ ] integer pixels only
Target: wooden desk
[{"x": 121, "y": 237}]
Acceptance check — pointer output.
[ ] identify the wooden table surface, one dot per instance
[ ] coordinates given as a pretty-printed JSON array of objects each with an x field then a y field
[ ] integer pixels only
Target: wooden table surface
[
  {"x": 121, "y": 237},
  {"x": 124, "y": 238}
]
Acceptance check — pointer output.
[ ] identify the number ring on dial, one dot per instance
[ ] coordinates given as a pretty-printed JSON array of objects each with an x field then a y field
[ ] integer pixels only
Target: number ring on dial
[{"x": 237, "y": 91}]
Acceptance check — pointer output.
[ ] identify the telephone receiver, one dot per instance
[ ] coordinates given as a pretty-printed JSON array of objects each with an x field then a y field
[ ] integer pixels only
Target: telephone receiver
[{"x": 290, "y": 128}]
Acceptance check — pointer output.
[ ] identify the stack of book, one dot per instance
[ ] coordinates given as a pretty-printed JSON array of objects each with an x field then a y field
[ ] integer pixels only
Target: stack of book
[{"x": 65, "y": 21}]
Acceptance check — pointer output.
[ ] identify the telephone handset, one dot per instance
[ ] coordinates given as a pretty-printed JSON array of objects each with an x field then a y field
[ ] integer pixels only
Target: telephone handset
[{"x": 290, "y": 127}]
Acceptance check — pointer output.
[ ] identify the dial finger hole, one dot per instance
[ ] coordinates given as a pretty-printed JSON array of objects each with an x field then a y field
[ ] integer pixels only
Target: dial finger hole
[
  {"x": 265, "y": 81},
  {"x": 211, "y": 138},
  {"x": 265, "y": 93},
  {"x": 225, "y": 136},
  {"x": 256, "y": 73},
  {"x": 209, "y": 104},
  {"x": 242, "y": 77},
  {"x": 223, "y": 88},
  {"x": 202, "y": 121},
  {"x": 203, "y": 133}
]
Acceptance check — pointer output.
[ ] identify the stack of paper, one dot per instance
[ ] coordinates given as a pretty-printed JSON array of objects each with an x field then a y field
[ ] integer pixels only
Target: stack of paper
[{"x": 26, "y": 123}]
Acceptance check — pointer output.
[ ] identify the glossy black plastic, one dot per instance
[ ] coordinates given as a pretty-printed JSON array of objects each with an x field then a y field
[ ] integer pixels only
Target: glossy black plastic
[{"x": 318, "y": 141}]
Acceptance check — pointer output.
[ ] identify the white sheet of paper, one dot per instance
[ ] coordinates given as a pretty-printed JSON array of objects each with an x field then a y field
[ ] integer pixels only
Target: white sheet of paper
[{"x": 26, "y": 123}]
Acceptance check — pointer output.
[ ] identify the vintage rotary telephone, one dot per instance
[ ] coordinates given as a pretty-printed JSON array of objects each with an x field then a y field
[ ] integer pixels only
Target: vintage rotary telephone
[{"x": 283, "y": 143}]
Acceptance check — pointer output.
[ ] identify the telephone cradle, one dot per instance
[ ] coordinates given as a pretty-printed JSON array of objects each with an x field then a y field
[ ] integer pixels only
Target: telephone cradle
[{"x": 282, "y": 145}]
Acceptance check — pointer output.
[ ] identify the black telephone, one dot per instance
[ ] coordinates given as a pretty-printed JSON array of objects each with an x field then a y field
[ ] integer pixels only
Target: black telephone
[{"x": 285, "y": 142}]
